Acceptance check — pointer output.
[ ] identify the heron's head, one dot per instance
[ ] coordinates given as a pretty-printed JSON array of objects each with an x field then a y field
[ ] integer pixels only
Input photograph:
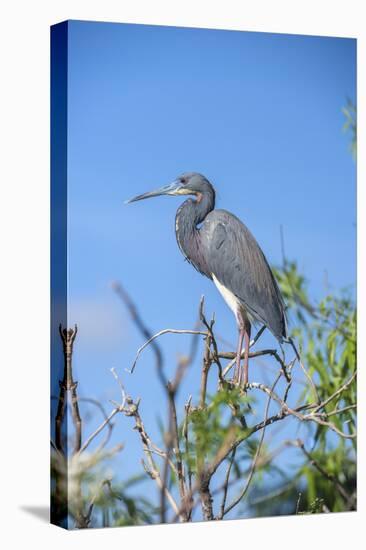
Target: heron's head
[{"x": 189, "y": 183}]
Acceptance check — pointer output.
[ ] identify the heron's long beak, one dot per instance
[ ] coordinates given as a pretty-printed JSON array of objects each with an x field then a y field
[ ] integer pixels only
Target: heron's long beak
[{"x": 171, "y": 189}]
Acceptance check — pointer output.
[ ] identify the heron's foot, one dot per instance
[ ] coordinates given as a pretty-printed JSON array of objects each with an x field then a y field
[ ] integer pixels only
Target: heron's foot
[
  {"x": 243, "y": 382},
  {"x": 244, "y": 388}
]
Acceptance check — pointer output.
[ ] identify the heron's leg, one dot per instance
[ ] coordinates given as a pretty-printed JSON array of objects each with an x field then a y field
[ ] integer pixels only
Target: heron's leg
[
  {"x": 244, "y": 380},
  {"x": 236, "y": 377}
]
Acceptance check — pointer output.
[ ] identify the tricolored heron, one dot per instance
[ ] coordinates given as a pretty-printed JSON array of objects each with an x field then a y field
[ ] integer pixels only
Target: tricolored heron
[{"x": 224, "y": 250}]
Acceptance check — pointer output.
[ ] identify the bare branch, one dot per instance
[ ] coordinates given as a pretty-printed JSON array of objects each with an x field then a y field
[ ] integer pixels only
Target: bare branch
[
  {"x": 206, "y": 365},
  {"x": 226, "y": 484},
  {"x": 152, "y": 338},
  {"x": 313, "y": 418},
  {"x": 87, "y": 442},
  {"x": 298, "y": 504},
  {"x": 110, "y": 425},
  {"x": 212, "y": 339},
  {"x": 272, "y": 352},
  {"x": 337, "y": 411},
  {"x": 119, "y": 408},
  {"x": 175, "y": 442},
  {"x": 275, "y": 397},
  {"x": 137, "y": 319},
  {"x": 187, "y": 408},
  {"x": 152, "y": 469}
]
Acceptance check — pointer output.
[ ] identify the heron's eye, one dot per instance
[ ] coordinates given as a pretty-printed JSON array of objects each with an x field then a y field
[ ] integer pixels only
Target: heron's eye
[{"x": 183, "y": 181}]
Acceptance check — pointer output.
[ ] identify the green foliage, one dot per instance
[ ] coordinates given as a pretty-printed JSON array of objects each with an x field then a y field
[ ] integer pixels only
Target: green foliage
[
  {"x": 210, "y": 426},
  {"x": 326, "y": 334},
  {"x": 315, "y": 507}
]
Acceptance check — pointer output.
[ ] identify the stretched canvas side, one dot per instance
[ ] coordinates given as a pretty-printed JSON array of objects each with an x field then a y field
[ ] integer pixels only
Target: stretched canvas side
[{"x": 59, "y": 507}]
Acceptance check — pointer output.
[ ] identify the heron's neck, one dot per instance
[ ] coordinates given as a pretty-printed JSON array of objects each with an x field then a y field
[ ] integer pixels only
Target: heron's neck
[
  {"x": 189, "y": 215},
  {"x": 193, "y": 212}
]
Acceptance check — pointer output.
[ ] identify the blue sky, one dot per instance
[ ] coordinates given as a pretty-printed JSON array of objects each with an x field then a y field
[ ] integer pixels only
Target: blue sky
[{"x": 260, "y": 115}]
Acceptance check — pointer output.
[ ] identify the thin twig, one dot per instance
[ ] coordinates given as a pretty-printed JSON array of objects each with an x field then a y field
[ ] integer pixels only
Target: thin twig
[
  {"x": 110, "y": 425},
  {"x": 137, "y": 319},
  {"x": 160, "y": 333},
  {"x": 313, "y": 418},
  {"x": 106, "y": 422},
  {"x": 337, "y": 411},
  {"x": 336, "y": 393},
  {"x": 275, "y": 397},
  {"x": 185, "y": 431},
  {"x": 310, "y": 380},
  {"x": 118, "y": 409},
  {"x": 298, "y": 504},
  {"x": 226, "y": 483}
]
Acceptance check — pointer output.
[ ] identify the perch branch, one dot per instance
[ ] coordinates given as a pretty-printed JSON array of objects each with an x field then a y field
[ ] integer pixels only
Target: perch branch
[{"x": 272, "y": 352}]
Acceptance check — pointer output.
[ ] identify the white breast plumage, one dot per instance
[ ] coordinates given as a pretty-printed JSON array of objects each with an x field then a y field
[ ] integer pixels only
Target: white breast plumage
[{"x": 230, "y": 298}]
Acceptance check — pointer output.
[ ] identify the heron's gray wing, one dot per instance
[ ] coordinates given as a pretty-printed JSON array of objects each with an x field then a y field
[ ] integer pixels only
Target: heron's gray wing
[{"x": 239, "y": 264}]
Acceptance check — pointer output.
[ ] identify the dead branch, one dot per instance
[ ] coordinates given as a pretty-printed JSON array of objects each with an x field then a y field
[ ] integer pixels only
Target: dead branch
[
  {"x": 175, "y": 445},
  {"x": 137, "y": 319},
  {"x": 185, "y": 431},
  {"x": 67, "y": 387},
  {"x": 109, "y": 424},
  {"x": 272, "y": 352},
  {"x": 67, "y": 384},
  {"x": 206, "y": 365},
  {"x": 226, "y": 483},
  {"x": 160, "y": 333},
  {"x": 209, "y": 327},
  {"x": 275, "y": 397},
  {"x": 118, "y": 409},
  {"x": 152, "y": 470}
]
